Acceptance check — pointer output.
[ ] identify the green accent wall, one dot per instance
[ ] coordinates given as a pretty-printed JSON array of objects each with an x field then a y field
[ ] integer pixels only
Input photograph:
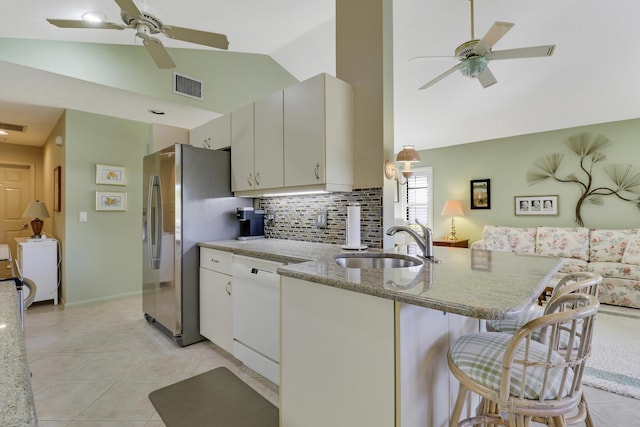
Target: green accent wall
[
  {"x": 102, "y": 257},
  {"x": 506, "y": 162}
]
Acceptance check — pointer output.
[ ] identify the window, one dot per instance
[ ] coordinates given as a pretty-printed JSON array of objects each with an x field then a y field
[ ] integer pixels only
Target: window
[{"x": 418, "y": 198}]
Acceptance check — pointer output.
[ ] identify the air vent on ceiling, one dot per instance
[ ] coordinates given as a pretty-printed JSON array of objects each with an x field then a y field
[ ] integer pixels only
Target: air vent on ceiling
[
  {"x": 15, "y": 128},
  {"x": 187, "y": 86}
]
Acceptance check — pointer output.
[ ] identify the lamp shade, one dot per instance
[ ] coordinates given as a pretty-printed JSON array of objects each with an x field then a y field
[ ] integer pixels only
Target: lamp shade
[
  {"x": 452, "y": 208},
  {"x": 408, "y": 154},
  {"x": 36, "y": 209}
]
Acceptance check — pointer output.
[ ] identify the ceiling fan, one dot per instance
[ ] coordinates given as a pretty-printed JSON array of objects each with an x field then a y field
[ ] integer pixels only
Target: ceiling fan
[
  {"x": 474, "y": 55},
  {"x": 145, "y": 25}
]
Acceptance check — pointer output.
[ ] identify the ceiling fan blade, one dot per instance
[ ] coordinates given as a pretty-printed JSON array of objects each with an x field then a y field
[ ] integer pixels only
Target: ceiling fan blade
[
  {"x": 129, "y": 7},
  {"x": 418, "y": 58},
  {"x": 440, "y": 77},
  {"x": 495, "y": 33},
  {"x": 79, "y": 23},
  {"x": 486, "y": 78},
  {"x": 523, "y": 52},
  {"x": 205, "y": 38},
  {"x": 158, "y": 52}
]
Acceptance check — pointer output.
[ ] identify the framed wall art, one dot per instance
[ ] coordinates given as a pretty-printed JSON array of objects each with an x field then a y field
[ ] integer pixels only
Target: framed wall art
[
  {"x": 111, "y": 175},
  {"x": 536, "y": 205},
  {"x": 57, "y": 195},
  {"x": 111, "y": 201},
  {"x": 480, "y": 194}
]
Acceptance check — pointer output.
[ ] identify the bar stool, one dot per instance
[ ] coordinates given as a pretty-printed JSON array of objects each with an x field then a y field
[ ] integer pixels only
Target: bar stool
[
  {"x": 585, "y": 282},
  {"x": 521, "y": 379}
]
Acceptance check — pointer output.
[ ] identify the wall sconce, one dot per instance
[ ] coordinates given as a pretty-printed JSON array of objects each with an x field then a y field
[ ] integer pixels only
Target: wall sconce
[
  {"x": 452, "y": 208},
  {"x": 408, "y": 155},
  {"x": 36, "y": 209}
]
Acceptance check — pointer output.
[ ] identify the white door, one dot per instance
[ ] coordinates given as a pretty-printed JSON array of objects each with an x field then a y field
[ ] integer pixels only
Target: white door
[{"x": 16, "y": 192}]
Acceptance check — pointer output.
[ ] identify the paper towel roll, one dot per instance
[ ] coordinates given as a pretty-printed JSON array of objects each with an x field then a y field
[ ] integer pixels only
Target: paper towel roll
[{"x": 353, "y": 226}]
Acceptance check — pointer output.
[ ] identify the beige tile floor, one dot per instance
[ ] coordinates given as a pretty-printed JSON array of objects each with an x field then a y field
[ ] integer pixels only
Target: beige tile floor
[{"x": 94, "y": 366}]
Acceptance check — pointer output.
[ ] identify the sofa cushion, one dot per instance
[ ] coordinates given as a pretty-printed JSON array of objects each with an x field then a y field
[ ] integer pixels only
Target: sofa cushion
[
  {"x": 515, "y": 239},
  {"x": 616, "y": 270},
  {"x": 609, "y": 245},
  {"x": 632, "y": 252},
  {"x": 566, "y": 242},
  {"x": 572, "y": 265}
]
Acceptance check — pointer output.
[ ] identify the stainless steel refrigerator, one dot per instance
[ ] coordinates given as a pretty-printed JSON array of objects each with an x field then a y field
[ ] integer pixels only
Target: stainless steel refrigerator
[{"x": 187, "y": 199}]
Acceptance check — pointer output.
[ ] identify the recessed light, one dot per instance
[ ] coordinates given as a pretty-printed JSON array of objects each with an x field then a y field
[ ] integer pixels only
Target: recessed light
[
  {"x": 157, "y": 112},
  {"x": 4, "y": 132},
  {"x": 94, "y": 16}
]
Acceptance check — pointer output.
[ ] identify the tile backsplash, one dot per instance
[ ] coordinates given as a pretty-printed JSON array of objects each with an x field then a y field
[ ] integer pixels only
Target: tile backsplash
[{"x": 296, "y": 217}]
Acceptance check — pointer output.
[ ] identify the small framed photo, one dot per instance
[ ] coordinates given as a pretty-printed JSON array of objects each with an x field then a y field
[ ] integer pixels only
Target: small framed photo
[
  {"x": 57, "y": 197},
  {"x": 480, "y": 194},
  {"x": 111, "y": 201},
  {"x": 111, "y": 175},
  {"x": 536, "y": 205}
]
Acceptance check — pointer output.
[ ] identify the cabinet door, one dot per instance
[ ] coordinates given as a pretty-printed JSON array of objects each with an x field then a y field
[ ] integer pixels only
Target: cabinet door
[
  {"x": 242, "y": 136},
  {"x": 216, "y": 320},
  {"x": 214, "y": 134},
  {"x": 269, "y": 145},
  {"x": 304, "y": 133},
  {"x": 221, "y": 133}
]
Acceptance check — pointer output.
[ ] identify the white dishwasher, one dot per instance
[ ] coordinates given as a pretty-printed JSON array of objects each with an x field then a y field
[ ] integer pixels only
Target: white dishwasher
[{"x": 256, "y": 315}]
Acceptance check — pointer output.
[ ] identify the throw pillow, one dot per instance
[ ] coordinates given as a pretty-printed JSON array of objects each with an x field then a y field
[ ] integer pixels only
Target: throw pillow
[{"x": 632, "y": 252}]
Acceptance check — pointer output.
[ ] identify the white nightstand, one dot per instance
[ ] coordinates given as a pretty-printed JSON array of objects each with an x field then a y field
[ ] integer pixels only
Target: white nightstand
[{"x": 38, "y": 260}]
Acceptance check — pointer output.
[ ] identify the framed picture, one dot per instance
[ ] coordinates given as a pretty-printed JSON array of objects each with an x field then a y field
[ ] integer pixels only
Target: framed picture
[
  {"x": 480, "y": 194},
  {"x": 111, "y": 175},
  {"x": 56, "y": 189},
  {"x": 536, "y": 205},
  {"x": 111, "y": 201}
]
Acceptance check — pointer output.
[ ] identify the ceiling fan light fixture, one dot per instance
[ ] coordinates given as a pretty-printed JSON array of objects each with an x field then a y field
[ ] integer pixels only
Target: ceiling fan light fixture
[
  {"x": 94, "y": 17},
  {"x": 473, "y": 65}
]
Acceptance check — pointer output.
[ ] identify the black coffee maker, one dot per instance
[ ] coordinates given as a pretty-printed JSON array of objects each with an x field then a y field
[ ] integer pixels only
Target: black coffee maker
[{"x": 251, "y": 222}]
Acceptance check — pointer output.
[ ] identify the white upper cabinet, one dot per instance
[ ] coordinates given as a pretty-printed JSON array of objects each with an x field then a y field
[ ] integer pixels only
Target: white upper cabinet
[
  {"x": 318, "y": 134},
  {"x": 242, "y": 151},
  {"x": 299, "y": 139},
  {"x": 215, "y": 134},
  {"x": 268, "y": 143}
]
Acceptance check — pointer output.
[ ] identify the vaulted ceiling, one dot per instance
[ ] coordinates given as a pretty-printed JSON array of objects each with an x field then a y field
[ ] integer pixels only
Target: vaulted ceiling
[{"x": 591, "y": 78}]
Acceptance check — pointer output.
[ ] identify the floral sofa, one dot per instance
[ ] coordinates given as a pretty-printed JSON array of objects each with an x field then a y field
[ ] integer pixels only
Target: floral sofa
[{"x": 614, "y": 254}]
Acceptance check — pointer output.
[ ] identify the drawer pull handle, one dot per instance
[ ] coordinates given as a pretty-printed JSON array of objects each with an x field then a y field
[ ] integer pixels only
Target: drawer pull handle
[
  {"x": 316, "y": 170},
  {"x": 228, "y": 288},
  {"x": 215, "y": 261}
]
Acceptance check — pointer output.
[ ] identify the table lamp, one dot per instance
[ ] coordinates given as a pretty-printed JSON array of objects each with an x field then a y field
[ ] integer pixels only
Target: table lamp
[
  {"x": 452, "y": 208},
  {"x": 36, "y": 209}
]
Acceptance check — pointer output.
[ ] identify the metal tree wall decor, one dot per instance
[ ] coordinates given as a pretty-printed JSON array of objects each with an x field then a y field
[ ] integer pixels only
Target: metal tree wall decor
[{"x": 588, "y": 148}]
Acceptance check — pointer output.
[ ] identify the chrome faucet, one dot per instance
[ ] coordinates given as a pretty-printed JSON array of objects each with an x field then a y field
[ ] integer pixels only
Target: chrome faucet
[{"x": 424, "y": 242}]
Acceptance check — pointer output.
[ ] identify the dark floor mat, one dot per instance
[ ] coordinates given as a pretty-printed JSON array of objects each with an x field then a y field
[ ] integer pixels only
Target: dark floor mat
[{"x": 216, "y": 398}]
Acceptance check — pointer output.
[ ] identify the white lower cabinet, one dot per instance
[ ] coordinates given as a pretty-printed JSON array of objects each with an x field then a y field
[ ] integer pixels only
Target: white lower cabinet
[
  {"x": 216, "y": 298},
  {"x": 350, "y": 359}
]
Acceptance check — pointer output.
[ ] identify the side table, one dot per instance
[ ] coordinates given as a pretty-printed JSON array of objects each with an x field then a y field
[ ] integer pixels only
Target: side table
[{"x": 460, "y": 243}]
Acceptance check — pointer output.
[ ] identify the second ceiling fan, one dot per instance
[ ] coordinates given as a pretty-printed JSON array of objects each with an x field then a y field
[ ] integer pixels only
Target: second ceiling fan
[
  {"x": 474, "y": 55},
  {"x": 147, "y": 25}
]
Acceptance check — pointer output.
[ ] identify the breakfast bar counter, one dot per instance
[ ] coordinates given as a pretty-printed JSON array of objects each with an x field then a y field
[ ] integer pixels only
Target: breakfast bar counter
[
  {"x": 475, "y": 283},
  {"x": 367, "y": 346},
  {"x": 16, "y": 398}
]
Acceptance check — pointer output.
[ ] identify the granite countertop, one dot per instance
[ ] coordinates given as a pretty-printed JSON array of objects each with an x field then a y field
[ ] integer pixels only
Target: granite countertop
[
  {"x": 16, "y": 404},
  {"x": 475, "y": 283}
]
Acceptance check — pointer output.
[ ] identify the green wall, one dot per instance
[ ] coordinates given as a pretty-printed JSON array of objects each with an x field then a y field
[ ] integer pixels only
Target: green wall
[
  {"x": 102, "y": 256},
  {"x": 230, "y": 80},
  {"x": 506, "y": 162}
]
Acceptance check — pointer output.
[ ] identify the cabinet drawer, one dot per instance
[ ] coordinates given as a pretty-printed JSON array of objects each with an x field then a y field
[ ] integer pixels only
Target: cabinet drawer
[{"x": 213, "y": 259}]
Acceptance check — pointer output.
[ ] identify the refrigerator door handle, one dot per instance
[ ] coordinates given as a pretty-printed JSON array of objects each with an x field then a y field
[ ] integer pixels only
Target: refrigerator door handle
[{"x": 154, "y": 221}]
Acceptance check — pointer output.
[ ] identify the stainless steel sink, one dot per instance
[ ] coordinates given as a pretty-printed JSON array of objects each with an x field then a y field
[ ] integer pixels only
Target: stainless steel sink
[{"x": 376, "y": 260}]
